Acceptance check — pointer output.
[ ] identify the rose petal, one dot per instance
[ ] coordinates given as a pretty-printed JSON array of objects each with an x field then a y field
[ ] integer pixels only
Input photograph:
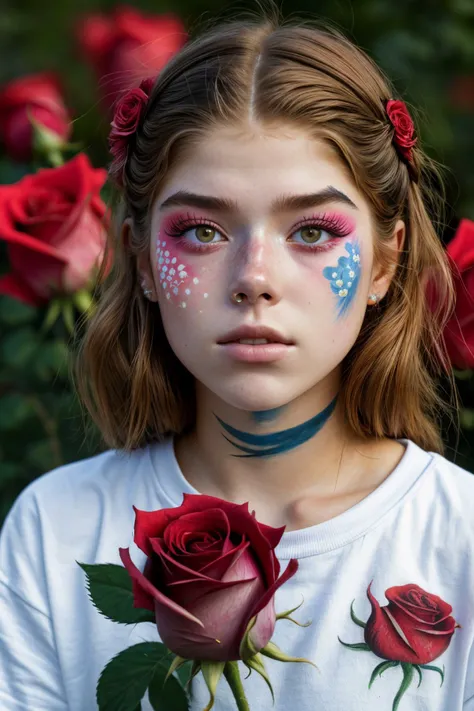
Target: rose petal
[{"x": 160, "y": 600}]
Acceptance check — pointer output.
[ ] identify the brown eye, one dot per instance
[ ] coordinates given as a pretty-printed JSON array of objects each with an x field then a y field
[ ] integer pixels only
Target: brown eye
[
  {"x": 205, "y": 234},
  {"x": 310, "y": 234}
]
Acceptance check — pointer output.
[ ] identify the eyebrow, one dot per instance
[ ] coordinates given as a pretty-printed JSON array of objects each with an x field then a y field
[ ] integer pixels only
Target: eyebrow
[{"x": 283, "y": 203}]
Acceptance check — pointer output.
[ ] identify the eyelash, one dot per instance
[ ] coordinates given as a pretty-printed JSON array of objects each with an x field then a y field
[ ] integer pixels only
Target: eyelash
[{"x": 336, "y": 227}]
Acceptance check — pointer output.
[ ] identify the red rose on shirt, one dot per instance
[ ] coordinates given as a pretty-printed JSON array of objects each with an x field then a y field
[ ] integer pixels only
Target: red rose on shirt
[
  {"x": 128, "y": 46},
  {"x": 54, "y": 224},
  {"x": 37, "y": 96},
  {"x": 415, "y": 627},
  {"x": 211, "y": 569}
]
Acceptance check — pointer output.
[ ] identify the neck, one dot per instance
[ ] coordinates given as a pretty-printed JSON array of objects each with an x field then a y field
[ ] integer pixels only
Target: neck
[{"x": 280, "y": 459}]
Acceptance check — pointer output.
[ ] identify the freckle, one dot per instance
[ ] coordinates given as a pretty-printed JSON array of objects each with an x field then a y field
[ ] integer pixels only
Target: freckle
[
  {"x": 196, "y": 280},
  {"x": 206, "y": 295},
  {"x": 187, "y": 291},
  {"x": 173, "y": 261}
]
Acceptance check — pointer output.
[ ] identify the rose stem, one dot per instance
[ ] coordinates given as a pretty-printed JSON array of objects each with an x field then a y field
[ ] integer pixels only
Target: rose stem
[{"x": 232, "y": 674}]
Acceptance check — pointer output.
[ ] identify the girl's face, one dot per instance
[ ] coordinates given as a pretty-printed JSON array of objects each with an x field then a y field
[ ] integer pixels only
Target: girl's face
[{"x": 274, "y": 218}]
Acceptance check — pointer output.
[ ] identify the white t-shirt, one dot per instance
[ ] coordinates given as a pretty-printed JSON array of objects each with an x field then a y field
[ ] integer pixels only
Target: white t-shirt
[{"x": 417, "y": 527}]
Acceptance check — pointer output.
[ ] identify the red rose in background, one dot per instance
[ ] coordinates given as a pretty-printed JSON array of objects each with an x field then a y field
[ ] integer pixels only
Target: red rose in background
[
  {"x": 128, "y": 46},
  {"x": 211, "y": 568},
  {"x": 459, "y": 332},
  {"x": 38, "y": 96},
  {"x": 54, "y": 223},
  {"x": 415, "y": 627}
]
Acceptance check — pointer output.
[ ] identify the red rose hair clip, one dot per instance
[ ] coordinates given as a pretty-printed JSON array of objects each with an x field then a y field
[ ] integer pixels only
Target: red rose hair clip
[
  {"x": 404, "y": 130},
  {"x": 128, "y": 113}
]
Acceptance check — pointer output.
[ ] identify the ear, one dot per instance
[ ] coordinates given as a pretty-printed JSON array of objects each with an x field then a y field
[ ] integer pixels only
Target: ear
[
  {"x": 382, "y": 276},
  {"x": 144, "y": 270}
]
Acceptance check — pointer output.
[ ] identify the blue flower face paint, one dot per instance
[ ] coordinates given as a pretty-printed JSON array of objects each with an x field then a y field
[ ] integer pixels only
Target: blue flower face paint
[{"x": 345, "y": 277}]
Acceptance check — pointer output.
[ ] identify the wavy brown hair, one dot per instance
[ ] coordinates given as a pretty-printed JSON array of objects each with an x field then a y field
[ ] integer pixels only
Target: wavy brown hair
[{"x": 314, "y": 78}]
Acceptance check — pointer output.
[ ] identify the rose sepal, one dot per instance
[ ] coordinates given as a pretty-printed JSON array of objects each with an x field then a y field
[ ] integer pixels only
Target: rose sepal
[
  {"x": 256, "y": 664},
  {"x": 287, "y": 616},
  {"x": 212, "y": 673},
  {"x": 273, "y": 652},
  {"x": 48, "y": 144}
]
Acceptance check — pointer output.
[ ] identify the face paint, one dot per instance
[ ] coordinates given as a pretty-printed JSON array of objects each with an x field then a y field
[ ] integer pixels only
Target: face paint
[
  {"x": 261, "y": 416},
  {"x": 344, "y": 277},
  {"x": 268, "y": 445},
  {"x": 175, "y": 275}
]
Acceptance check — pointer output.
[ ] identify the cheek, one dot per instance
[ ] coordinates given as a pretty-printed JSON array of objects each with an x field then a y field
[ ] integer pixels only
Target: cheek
[{"x": 180, "y": 283}]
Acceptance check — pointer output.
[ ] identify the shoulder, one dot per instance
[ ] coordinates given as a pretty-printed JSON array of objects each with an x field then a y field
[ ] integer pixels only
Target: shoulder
[
  {"x": 78, "y": 488},
  {"x": 445, "y": 497}
]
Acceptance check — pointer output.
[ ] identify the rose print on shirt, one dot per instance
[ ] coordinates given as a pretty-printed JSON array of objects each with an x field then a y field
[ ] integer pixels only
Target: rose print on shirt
[{"x": 414, "y": 629}]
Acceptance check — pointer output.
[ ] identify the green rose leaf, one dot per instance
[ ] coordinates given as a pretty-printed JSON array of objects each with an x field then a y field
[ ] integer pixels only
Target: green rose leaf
[
  {"x": 169, "y": 696},
  {"x": 110, "y": 589},
  {"x": 124, "y": 680}
]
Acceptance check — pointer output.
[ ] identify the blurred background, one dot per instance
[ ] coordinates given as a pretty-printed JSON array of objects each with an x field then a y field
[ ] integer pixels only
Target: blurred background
[{"x": 62, "y": 66}]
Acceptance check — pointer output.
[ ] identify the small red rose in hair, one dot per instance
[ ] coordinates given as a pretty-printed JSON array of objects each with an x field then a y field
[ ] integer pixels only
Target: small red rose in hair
[
  {"x": 128, "y": 113},
  {"x": 404, "y": 137}
]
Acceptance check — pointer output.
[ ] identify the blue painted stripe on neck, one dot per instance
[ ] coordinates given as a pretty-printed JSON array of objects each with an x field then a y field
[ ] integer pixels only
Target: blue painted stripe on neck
[
  {"x": 272, "y": 443},
  {"x": 267, "y": 415}
]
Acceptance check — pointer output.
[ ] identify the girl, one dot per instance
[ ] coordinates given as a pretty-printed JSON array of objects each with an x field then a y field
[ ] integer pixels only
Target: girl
[{"x": 265, "y": 336}]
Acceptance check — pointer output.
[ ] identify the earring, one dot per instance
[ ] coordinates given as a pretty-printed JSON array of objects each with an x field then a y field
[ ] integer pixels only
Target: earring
[
  {"x": 373, "y": 299},
  {"x": 146, "y": 292},
  {"x": 238, "y": 298}
]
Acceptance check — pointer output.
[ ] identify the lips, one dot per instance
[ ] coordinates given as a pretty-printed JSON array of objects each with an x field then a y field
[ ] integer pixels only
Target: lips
[{"x": 255, "y": 335}]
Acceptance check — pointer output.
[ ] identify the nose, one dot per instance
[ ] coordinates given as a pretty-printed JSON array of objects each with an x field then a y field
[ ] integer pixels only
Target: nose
[{"x": 255, "y": 277}]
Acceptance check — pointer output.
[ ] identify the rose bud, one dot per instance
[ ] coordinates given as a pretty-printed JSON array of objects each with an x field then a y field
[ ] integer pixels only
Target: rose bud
[
  {"x": 34, "y": 99},
  {"x": 128, "y": 46},
  {"x": 459, "y": 331},
  {"x": 210, "y": 577},
  {"x": 54, "y": 223},
  {"x": 415, "y": 627}
]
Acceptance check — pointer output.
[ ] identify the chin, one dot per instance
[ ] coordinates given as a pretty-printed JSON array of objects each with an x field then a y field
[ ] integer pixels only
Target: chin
[{"x": 252, "y": 396}]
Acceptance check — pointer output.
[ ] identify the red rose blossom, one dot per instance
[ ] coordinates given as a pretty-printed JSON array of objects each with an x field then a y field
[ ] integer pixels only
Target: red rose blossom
[
  {"x": 35, "y": 96},
  {"x": 404, "y": 136},
  {"x": 459, "y": 331},
  {"x": 127, "y": 116},
  {"x": 54, "y": 223},
  {"x": 127, "y": 46},
  {"x": 415, "y": 627},
  {"x": 211, "y": 568}
]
